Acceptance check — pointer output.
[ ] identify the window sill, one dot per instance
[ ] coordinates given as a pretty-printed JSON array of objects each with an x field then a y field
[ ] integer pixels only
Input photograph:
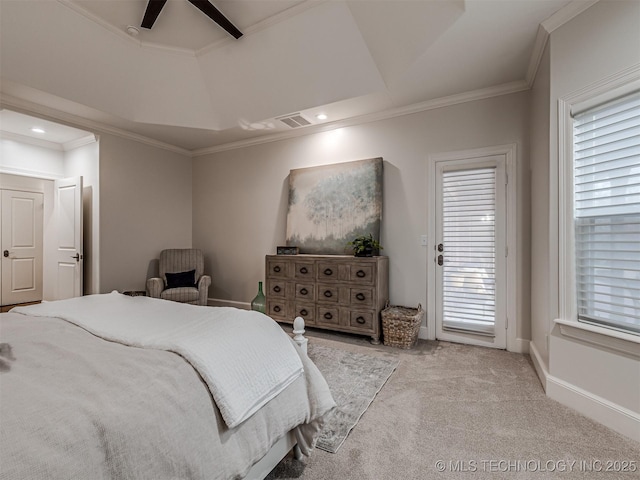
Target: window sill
[{"x": 621, "y": 342}]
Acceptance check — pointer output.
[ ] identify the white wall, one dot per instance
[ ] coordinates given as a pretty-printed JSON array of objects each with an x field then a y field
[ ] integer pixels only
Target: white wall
[
  {"x": 240, "y": 196},
  {"x": 600, "y": 382},
  {"x": 31, "y": 160},
  {"x": 145, "y": 206}
]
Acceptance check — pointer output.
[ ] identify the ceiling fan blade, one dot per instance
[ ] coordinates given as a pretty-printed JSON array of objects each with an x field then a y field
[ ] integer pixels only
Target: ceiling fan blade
[
  {"x": 154, "y": 7},
  {"x": 216, "y": 15}
]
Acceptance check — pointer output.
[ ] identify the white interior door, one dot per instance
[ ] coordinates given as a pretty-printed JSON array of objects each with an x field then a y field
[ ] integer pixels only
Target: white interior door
[
  {"x": 69, "y": 251},
  {"x": 471, "y": 250},
  {"x": 21, "y": 234}
]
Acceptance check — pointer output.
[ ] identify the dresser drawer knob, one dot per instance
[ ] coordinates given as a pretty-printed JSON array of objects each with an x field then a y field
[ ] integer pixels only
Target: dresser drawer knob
[
  {"x": 276, "y": 269},
  {"x": 328, "y": 271},
  {"x": 303, "y": 291},
  {"x": 276, "y": 289},
  {"x": 360, "y": 274},
  {"x": 360, "y": 296},
  {"x": 304, "y": 312},
  {"x": 328, "y": 294},
  {"x": 360, "y": 320},
  {"x": 276, "y": 308},
  {"x": 304, "y": 270},
  {"x": 328, "y": 316}
]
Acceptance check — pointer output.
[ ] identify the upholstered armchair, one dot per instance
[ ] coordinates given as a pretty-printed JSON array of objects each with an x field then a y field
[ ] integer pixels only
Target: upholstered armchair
[{"x": 181, "y": 277}]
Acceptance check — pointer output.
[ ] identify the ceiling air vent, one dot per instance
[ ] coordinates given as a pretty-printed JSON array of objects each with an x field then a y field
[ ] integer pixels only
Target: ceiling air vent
[{"x": 295, "y": 120}]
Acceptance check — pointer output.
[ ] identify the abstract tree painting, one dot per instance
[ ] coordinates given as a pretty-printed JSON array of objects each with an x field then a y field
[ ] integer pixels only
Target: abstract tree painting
[{"x": 332, "y": 204}]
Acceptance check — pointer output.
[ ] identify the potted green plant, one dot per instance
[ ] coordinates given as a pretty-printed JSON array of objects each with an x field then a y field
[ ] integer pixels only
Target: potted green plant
[{"x": 365, "y": 246}]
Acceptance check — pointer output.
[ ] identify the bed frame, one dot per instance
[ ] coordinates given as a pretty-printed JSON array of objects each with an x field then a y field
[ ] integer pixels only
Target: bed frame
[{"x": 283, "y": 446}]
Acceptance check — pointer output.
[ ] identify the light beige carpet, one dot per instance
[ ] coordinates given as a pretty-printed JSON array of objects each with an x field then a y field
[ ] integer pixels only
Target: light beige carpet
[{"x": 456, "y": 411}]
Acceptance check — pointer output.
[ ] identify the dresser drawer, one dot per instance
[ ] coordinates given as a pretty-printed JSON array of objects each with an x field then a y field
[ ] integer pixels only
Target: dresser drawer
[
  {"x": 278, "y": 268},
  {"x": 327, "y": 293},
  {"x": 278, "y": 309},
  {"x": 362, "y": 320},
  {"x": 305, "y": 292},
  {"x": 361, "y": 274},
  {"x": 331, "y": 271},
  {"x": 306, "y": 311},
  {"x": 305, "y": 271},
  {"x": 361, "y": 297},
  {"x": 277, "y": 288},
  {"x": 327, "y": 316}
]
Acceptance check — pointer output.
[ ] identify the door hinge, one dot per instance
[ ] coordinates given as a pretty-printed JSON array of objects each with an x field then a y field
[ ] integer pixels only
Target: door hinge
[
  {"x": 506, "y": 251},
  {"x": 506, "y": 324},
  {"x": 506, "y": 178}
]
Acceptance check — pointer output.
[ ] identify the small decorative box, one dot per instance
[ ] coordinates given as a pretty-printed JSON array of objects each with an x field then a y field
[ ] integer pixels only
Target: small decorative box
[{"x": 287, "y": 250}]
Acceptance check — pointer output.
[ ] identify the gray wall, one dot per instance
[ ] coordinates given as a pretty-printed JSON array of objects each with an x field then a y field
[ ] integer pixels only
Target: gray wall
[
  {"x": 601, "y": 383},
  {"x": 240, "y": 196},
  {"x": 145, "y": 206}
]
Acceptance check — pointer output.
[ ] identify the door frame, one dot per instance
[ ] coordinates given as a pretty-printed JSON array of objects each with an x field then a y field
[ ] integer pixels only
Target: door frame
[{"x": 509, "y": 151}]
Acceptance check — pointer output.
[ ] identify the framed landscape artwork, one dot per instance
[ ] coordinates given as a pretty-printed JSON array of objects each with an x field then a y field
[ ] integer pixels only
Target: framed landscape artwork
[{"x": 332, "y": 204}]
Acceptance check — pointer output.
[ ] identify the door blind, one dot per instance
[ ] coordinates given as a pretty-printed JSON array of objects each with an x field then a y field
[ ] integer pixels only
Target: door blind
[
  {"x": 607, "y": 213},
  {"x": 468, "y": 233}
]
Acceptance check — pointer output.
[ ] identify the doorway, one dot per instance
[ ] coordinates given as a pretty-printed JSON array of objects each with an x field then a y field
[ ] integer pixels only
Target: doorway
[{"x": 472, "y": 286}]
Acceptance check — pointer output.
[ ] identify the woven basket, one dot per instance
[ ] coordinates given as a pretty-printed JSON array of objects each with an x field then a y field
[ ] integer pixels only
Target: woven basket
[{"x": 400, "y": 325}]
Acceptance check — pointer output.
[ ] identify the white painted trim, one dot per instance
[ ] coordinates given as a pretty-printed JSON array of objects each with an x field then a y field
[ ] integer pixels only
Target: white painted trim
[
  {"x": 555, "y": 21},
  {"x": 38, "y": 142},
  {"x": 562, "y": 217},
  {"x": 482, "y": 94},
  {"x": 23, "y": 172},
  {"x": 31, "y": 108},
  {"x": 618, "y": 341},
  {"x": 566, "y": 14},
  {"x": 218, "y": 302},
  {"x": 612, "y": 415},
  {"x": 424, "y": 333},
  {"x": 539, "y": 365},
  {"x": 79, "y": 142},
  {"x": 513, "y": 343}
]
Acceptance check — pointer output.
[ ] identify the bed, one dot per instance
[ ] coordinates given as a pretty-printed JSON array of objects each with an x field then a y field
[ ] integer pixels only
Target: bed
[{"x": 111, "y": 386}]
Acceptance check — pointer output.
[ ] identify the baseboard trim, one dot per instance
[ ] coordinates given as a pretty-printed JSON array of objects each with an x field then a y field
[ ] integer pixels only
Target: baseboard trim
[
  {"x": 538, "y": 365},
  {"x": 614, "y": 416},
  {"x": 423, "y": 333},
  {"x": 218, "y": 302}
]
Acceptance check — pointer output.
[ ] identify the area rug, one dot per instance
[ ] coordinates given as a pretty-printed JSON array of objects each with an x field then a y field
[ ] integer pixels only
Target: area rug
[{"x": 354, "y": 380}]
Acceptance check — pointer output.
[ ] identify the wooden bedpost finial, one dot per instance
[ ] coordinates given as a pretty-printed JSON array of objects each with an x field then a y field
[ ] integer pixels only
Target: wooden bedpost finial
[{"x": 298, "y": 331}]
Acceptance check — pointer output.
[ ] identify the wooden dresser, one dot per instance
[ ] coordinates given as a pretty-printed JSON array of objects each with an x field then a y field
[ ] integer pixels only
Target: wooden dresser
[{"x": 336, "y": 292}]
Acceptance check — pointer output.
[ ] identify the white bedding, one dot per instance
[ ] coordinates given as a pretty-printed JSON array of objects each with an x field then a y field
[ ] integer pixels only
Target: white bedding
[
  {"x": 74, "y": 406},
  {"x": 233, "y": 370}
]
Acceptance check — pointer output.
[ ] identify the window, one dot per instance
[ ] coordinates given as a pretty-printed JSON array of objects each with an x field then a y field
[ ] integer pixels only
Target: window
[{"x": 606, "y": 208}]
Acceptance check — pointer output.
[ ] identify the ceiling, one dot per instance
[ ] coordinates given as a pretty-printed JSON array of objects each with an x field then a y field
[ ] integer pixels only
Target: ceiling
[{"x": 188, "y": 84}]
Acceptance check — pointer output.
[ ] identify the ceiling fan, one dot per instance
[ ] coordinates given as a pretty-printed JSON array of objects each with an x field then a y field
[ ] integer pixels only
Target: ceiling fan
[{"x": 154, "y": 7}]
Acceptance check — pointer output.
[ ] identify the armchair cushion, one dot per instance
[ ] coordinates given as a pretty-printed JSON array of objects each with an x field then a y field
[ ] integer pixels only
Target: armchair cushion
[
  {"x": 181, "y": 294},
  {"x": 181, "y": 279}
]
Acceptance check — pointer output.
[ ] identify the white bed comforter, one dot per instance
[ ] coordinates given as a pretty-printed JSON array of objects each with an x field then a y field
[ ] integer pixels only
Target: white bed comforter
[{"x": 210, "y": 339}]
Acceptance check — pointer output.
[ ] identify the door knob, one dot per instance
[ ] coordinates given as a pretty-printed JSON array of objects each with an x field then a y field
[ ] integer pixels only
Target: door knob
[
  {"x": 440, "y": 260},
  {"x": 5, "y": 253},
  {"x": 440, "y": 247},
  {"x": 77, "y": 257}
]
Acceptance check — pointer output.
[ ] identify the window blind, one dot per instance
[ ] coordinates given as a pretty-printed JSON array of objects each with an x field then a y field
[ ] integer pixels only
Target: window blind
[
  {"x": 607, "y": 213},
  {"x": 468, "y": 233}
]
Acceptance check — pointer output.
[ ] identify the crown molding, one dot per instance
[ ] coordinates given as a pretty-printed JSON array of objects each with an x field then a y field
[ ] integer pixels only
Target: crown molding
[
  {"x": 79, "y": 142},
  {"x": 567, "y": 13},
  {"x": 25, "y": 106},
  {"x": 38, "y": 142},
  {"x": 555, "y": 21},
  {"x": 490, "y": 92}
]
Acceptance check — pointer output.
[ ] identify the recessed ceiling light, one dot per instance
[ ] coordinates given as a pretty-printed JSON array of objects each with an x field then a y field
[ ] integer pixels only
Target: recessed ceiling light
[
  {"x": 38, "y": 130},
  {"x": 321, "y": 116}
]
